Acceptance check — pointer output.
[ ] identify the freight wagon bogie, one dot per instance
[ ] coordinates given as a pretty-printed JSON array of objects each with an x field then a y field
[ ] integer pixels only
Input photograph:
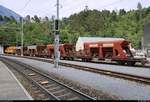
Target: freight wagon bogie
[{"x": 130, "y": 63}]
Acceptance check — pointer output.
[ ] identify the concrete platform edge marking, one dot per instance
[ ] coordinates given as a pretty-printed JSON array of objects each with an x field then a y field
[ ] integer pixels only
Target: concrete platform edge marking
[{"x": 30, "y": 98}]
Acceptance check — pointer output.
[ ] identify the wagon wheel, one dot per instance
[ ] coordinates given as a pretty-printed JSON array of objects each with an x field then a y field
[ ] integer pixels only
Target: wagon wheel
[
  {"x": 121, "y": 62},
  {"x": 143, "y": 63},
  {"x": 131, "y": 63},
  {"x": 72, "y": 58},
  {"x": 52, "y": 56},
  {"x": 62, "y": 58}
]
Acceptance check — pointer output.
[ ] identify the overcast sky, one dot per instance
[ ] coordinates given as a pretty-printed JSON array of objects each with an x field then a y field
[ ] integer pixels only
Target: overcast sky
[{"x": 47, "y": 7}]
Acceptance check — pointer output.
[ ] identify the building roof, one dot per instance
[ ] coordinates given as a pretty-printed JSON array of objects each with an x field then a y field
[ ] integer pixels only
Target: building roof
[
  {"x": 32, "y": 47},
  {"x": 95, "y": 39}
]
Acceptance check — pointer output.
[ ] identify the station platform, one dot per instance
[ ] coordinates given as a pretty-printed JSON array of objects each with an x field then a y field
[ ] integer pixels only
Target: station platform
[{"x": 10, "y": 87}]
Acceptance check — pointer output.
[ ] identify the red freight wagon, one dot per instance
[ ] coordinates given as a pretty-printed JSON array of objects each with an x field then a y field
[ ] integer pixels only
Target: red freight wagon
[
  {"x": 50, "y": 50},
  {"x": 119, "y": 51},
  {"x": 36, "y": 50},
  {"x": 18, "y": 50},
  {"x": 66, "y": 51}
]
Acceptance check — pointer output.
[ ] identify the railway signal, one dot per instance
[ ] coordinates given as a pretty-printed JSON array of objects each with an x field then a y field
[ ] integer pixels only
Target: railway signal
[{"x": 57, "y": 53}]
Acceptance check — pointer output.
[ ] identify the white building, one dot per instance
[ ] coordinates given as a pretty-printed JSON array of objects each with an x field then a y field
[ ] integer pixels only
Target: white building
[
  {"x": 146, "y": 42},
  {"x": 81, "y": 40},
  {"x": 1, "y": 50},
  {"x": 32, "y": 47},
  {"x": 18, "y": 47}
]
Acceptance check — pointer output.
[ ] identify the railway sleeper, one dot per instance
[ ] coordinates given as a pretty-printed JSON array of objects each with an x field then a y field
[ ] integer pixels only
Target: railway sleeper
[
  {"x": 42, "y": 95},
  {"x": 60, "y": 92},
  {"x": 46, "y": 98},
  {"x": 71, "y": 96},
  {"x": 65, "y": 96},
  {"x": 45, "y": 90},
  {"x": 74, "y": 98},
  {"x": 55, "y": 88},
  {"x": 37, "y": 91},
  {"x": 49, "y": 85}
]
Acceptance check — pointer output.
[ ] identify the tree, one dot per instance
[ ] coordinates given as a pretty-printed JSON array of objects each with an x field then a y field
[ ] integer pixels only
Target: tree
[
  {"x": 139, "y": 6},
  {"x": 113, "y": 16},
  {"x": 46, "y": 19},
  {"x": 7, "y": 19},
  {"x": 147, "y": 19},
  {"x": 36, "y": 19},
  {"x": 28, "y": 18},
  {"x": 125, "y": 24},
  {"x": 122, "y": 12},
  {"x": 1, "y": 18}
]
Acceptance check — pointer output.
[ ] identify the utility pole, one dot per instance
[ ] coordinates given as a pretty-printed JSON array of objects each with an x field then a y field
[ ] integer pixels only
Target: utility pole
[
  {"x": 22, "y": 36},
  {"x": 56, "y": 51},
  {"x": 142, "y": 43}
]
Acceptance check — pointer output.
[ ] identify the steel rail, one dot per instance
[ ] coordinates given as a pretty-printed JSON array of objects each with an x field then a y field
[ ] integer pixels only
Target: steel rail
[
  {"x": 97, "y": 62},
  {"x": 81, "y": 96},
  {"x": 31, "y": 80},
  {"x": 131, "y": 77}
]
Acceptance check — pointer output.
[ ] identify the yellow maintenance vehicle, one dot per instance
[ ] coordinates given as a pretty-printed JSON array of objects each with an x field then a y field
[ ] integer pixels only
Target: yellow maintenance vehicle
[{"x": 10, "y": 50}]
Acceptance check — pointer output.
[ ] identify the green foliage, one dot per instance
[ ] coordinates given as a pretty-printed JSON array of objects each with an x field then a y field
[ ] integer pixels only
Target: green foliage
[
  {"x": 35, "y": 32},
  {"x": 124, "y": 24}
]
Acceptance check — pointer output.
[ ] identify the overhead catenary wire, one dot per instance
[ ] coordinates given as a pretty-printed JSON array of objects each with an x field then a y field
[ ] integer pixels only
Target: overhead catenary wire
[
  {"x": 74, "y": 5},
  {"x": 50, "y": 5},
  {"x": 26, "y": 4},
  {"x": 86, "y": 5},
  {"x": 116, "y": 2},
  {"x": 68, "y": 8},
  {"x": 113, "y": 3},
  {"x": 53, "y": 11},
  {"x": 50, "y": 13},
  {"x": 22, "y": 34}
]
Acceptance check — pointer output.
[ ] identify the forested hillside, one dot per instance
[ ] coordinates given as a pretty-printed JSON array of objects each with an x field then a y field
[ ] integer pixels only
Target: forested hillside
[{"x": 125, "y": 24}]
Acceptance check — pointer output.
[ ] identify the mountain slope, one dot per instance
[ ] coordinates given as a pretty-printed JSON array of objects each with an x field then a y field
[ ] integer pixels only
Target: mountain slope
[{"x": 7, "y": 12}]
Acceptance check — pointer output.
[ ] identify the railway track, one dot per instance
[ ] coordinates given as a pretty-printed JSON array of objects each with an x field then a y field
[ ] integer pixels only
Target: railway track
[
  {"x": 140, "y": 66},
  {"x": 136, "y": 78},
  {"x": 46, "y": 87},
  {"x": 97, "y": 62}
]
